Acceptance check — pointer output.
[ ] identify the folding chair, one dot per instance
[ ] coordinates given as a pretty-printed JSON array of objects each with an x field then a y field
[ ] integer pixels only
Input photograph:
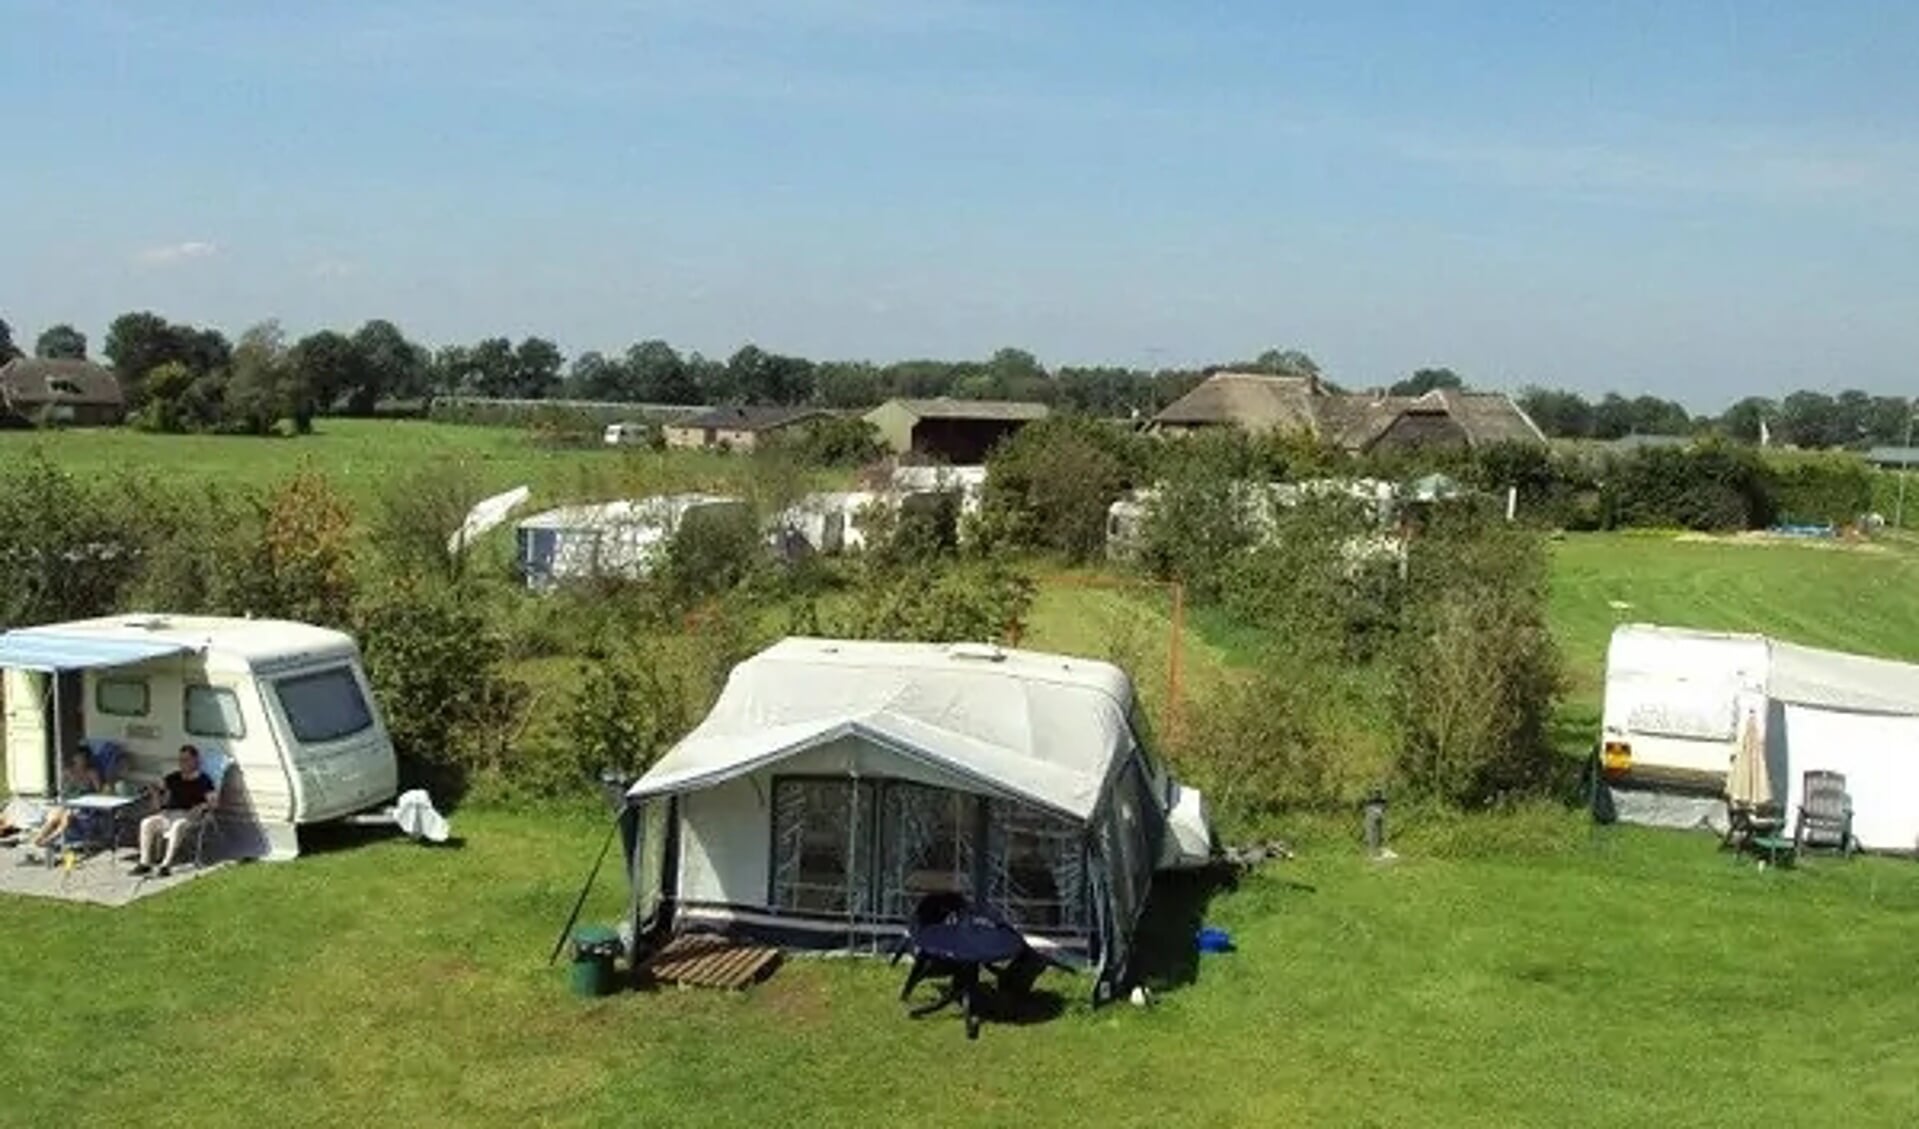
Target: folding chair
[
  {"x": 216, "y": 765},
  {"x": 1825, "y": 814}
]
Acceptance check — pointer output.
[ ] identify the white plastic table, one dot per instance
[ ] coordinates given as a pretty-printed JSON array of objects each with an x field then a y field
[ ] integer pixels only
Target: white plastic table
[{"x": 111, "y": 806}]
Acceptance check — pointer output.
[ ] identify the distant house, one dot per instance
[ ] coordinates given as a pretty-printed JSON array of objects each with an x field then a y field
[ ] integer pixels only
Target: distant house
[
  {"x": 60, "y": 391},
  {"x": 1358, "y": 422},
  {"x": 737, "y": 428},
  {"x": 952, "y": 431}
]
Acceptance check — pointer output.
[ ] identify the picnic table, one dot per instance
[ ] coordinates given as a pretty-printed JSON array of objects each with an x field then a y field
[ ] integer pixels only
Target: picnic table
[
  {"x": 965, "y": 946},
  {"x": 110, "y": 810}
]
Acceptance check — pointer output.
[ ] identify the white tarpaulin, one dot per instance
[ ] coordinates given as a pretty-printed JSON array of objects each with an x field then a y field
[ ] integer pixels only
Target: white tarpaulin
[
  {"x": 1039, "y": 727},
  {"x": 485, "y": 515}
]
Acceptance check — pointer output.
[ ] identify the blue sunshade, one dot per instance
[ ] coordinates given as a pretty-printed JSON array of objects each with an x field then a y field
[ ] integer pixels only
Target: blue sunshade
[{"x": 52, "y": 651}]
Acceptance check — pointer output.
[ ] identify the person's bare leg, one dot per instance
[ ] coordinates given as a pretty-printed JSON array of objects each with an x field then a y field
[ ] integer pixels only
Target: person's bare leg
[{"x": 56, "y": 825}]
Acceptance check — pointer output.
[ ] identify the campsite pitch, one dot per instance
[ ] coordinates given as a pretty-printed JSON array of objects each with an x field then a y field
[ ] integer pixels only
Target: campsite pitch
[{"x": 1545, "y": 973}]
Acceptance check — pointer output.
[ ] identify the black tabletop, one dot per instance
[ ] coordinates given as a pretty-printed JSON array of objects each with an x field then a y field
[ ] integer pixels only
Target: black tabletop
[{"x": 969, "y": 942}]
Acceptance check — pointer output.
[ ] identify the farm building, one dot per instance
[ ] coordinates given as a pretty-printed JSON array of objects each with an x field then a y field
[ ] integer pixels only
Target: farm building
[
  {"x": 835, "y": 784},
  {"x": 738, "y": 428},
  {"x": 33, "y": 389},
  {"x": 608, "y": 539},
  {"x": 948, "y": 430},
  {"x": 1360, "y": 423}
]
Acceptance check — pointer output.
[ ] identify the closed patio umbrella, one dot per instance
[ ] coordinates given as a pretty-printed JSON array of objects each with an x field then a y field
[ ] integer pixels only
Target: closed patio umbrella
[{"x": 1749, "y": 785}]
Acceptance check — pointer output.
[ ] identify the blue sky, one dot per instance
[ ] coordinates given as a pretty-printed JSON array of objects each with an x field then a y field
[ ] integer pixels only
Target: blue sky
[{"x": 1696, "y": 200}]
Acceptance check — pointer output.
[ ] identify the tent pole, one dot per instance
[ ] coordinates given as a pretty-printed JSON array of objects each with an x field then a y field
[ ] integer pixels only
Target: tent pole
[{"x": 59, "y": 762}]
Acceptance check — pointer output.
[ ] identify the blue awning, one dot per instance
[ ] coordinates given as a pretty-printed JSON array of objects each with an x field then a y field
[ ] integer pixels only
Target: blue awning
[{"x": 32, "y": 649}]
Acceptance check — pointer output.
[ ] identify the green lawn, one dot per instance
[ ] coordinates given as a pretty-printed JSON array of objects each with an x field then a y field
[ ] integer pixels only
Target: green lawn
[
  {"x": 1594, "y": 979},
  {"x": 360, "y": 455},
  {"x": 1527, "y": 969}
]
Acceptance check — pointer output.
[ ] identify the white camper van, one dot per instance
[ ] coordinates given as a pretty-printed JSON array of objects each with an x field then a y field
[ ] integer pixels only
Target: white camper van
[{"x": 287, "y": 705}]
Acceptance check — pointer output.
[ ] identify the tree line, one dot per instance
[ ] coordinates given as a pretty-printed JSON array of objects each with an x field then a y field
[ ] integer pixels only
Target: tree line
[{"x": 179, "y": 376}]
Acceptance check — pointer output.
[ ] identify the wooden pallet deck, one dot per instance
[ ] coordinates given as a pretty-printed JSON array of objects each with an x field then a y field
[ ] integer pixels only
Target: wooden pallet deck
[{"x": 706, "y": 961}]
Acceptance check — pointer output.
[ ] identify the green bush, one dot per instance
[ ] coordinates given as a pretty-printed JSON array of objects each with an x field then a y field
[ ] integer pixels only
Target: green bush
[
  {"x": 436, "y": 666},
  {"x": 1713, "y": 486},
  {"x": 936, "y": 603},
  {"x": 69, "y": 547},
  {"x": 838, "y": 441},
  {"x": 1476, "y": 672},
  {"x": 628, "y": 707},
  {"x": 1049, "y": 486},
  {"x": 1829, "y": 489}
]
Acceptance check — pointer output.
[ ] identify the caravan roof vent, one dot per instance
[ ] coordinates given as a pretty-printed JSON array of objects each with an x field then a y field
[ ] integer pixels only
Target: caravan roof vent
[
  {"x": 150, "y": 622},
  {"x": 986, "y": 652}
]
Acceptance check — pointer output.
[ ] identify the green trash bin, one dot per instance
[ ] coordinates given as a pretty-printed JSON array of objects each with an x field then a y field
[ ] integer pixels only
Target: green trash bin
[{"x": 595, "y": 949}]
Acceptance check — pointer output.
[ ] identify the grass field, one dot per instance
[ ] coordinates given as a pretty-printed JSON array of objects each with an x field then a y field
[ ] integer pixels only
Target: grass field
[
  {"x": 1573, "y": 980},
  {"x": 1526, "y": 969},
  {"x": 360, "y": 455}
]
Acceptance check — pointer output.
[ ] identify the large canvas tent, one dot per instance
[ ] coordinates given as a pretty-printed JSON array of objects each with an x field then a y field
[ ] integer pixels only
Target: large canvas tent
[
  {"x": 836, "y": 783},
  {"x": 1679, "y": 702}
]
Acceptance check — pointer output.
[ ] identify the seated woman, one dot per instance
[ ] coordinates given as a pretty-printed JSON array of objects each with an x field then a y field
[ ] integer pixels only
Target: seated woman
[{"x": 79, "y": 779}]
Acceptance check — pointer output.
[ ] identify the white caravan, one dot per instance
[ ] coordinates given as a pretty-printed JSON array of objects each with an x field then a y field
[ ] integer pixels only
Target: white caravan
[
  {"x": 1678, "y": 703},
  {"x": 287, "y": 704},
  {"x": 607, "y": 539}
]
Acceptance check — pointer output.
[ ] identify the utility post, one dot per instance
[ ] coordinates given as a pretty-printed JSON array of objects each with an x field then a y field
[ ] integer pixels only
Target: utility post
[{"x": 1905, "y": 466}]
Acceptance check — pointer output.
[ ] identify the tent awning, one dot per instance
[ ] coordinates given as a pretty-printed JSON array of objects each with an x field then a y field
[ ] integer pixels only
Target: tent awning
[{"x": 51, "y": 651}]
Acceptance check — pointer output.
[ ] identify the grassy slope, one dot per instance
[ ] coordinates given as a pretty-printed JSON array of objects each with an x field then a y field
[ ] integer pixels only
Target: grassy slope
[{"x": 1595, "y": 984}]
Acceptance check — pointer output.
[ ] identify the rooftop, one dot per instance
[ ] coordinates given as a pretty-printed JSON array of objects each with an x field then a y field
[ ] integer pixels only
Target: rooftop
[
  {"x": 748, "y": 417},
  {"x": 947, "y": 407},
  {"x": 37, "y": 380},
  {"x": 246, "y": 638}
]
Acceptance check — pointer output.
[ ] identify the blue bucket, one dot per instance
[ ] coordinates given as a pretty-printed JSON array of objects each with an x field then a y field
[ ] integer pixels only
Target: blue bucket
[{"x": 1213, "y": 940}]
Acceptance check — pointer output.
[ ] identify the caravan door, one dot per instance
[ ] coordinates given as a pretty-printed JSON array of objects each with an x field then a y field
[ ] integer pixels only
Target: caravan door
[{"x": 29, "y": 768}]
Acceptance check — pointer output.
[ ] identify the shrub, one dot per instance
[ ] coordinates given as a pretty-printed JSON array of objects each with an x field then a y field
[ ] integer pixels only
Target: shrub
[
  {"x": 1714, "y": 486},
  {"x": 1476, "y": 672},
  {"x": 67, "y": 549},
  {"x": 1319, "y": 576},
  {"x": 712, "y": 551},
  {"x": 1205, "y": 516},
  {"x": 1830, "y": 489},
  {"x": 435, "y": 665},
  {"x": 1273, "y": 742},
  {"x": 839, "y": 441},
  {"x": 1049, "y": 486},
  {"x": 416, "y": 513},
  {"x": 953, "y": 604},
  {"x": 296, "y": 562},
  {"x": 628, "y": 707}
]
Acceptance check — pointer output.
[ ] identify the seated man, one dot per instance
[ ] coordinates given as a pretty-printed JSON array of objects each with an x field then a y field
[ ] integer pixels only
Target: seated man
[{"x": 186, "y": 796}]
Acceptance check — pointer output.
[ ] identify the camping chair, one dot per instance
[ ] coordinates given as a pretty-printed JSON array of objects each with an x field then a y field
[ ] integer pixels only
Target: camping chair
[
  {"x": 1825, "y": 814},
  {"x": 216, "y": 765},
  {"x": 1745, "y": 824},
  {"x": 932, "y": 909}
]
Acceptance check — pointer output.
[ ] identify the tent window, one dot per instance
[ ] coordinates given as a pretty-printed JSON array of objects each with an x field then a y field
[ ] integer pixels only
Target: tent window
[
  {"x": 214, "y": 711},
  {"x": 1036, "y": 871},
  {"x": 822, "y": 845},
  {"x": 121, "y": 697},
  {"x": 929, "y": 839}
]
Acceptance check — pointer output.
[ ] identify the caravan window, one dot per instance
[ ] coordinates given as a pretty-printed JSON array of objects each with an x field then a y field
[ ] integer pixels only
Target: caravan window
[
  {"x": 214, "y": 711},
  {"x": 822, "y": 845},
  {"x": 325, "y": 706},
  {"x": 121, "y": 697}
]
